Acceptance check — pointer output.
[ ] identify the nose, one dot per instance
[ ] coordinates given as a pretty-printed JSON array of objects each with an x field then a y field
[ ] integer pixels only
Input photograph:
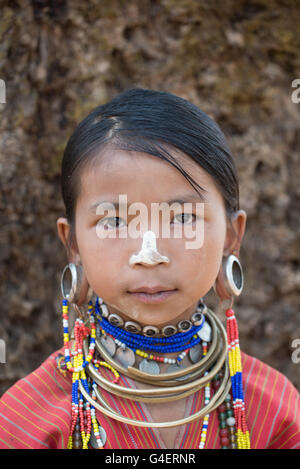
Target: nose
[{"x": 149, "y": 254}]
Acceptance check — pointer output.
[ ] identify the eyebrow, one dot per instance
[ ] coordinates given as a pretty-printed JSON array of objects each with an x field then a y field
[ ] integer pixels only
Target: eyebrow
[{"x": 181, "y": 199}]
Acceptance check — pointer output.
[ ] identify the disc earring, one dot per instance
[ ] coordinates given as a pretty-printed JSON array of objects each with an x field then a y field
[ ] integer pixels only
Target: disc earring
[
  {"x": 230, "y": 280},
  {"x": 234, "y": 275},
  {"x": 74, "y": 285}
]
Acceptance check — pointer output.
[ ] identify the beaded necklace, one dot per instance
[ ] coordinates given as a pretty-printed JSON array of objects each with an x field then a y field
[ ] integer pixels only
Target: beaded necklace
[
  {"x": 150, "y": 331},
  {"x": 84, "y": 423},
  {"x": 206, "y": 401},
  {"x": 82, "y": 417},
  {"x": 140, "y": 345},
  {"x": 235, "y": 367},
  {"x": 150, "y": 356},
  {"x": 168, "y": 345}
]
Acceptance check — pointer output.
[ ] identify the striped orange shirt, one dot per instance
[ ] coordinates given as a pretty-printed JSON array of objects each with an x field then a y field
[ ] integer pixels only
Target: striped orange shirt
[{"x": 35, "y": 413}]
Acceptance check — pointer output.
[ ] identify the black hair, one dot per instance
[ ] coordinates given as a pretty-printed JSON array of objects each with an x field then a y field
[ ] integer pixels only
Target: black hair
[{"x": 151, "y": 122}]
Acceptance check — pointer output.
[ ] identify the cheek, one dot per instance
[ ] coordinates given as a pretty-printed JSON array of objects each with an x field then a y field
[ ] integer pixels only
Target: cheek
[
  {"x": 100, "y": 258},
  {"x": 202, "y": 265}
]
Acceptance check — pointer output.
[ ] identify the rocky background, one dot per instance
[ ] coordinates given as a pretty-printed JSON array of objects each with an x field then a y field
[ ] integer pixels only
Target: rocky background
[{"x": 235, "y": 59}]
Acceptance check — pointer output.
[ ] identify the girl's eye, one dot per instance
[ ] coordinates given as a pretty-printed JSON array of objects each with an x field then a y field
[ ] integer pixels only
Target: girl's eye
[
  {"x": 110, "y": 222},
  {"x": 185, "y": 218}
]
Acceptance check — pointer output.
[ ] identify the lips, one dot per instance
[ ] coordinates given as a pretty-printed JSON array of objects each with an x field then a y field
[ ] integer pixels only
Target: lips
[
  {"x": 151, "y": 289},
  {"x": 152, "y": 295}
]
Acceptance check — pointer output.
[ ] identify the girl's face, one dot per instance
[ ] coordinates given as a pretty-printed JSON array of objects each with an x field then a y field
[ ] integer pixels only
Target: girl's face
[{"x": 146, "y": 179}]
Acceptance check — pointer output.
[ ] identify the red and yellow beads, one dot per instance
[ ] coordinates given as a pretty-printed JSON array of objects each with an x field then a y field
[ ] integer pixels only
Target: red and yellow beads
[
  {"x": 235, "y": 369},
  {"x": 83, "y": 414}
]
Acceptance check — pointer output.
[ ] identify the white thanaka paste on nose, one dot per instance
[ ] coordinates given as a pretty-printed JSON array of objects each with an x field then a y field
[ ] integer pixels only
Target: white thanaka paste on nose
[{"x": 148, "y": 255}]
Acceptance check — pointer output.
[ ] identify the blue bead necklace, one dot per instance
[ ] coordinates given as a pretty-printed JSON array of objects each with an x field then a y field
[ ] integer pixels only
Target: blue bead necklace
[{"x": 180, "y": 342}]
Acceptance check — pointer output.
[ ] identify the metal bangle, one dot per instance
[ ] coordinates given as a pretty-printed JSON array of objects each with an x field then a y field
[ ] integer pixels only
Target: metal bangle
[
  {"x": 133, "y": 373},
  {"x": 215, "y": 401}
]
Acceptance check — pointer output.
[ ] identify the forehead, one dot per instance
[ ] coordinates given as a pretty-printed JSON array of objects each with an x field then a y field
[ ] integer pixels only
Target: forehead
[{"x": 143, "y": 177}]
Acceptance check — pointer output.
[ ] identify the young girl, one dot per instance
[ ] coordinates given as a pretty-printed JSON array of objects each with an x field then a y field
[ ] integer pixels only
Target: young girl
[{"x": 152, "y": 224}]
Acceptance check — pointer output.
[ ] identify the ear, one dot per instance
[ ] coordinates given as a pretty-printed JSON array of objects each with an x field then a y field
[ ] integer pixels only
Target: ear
[
  {"x": 64, "y": 231},
  {"x": 235, "y": 232}
]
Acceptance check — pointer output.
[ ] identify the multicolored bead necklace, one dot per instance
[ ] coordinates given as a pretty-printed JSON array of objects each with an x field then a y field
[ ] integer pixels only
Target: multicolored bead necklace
[
  {"x": 206, "y": 401},
  {"x": 84, "y": 423},
  {"x": 235, "y": 368},
  {"x": 140, "y": 345},
  {"x": 184, "y": 325},
  {"x": 226, "y": 419},
  {"x": 150, "y": 356},
  {"x": 83, "y": 416}
]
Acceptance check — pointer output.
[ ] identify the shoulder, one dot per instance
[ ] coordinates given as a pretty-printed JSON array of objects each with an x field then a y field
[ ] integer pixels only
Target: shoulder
[
  {"x": 35, "y": 411},
  {"x": 272, "y": 406}
]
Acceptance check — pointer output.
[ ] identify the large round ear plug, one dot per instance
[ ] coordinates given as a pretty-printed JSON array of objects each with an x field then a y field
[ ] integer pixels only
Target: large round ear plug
[
  {"x": 230, "y": 280},
  {"x": 74, "y": 285}
]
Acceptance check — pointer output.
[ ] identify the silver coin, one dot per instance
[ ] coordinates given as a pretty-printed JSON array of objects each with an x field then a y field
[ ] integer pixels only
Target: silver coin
[
  {"x": 125, "y": 357},
  {"x": 195, "y": 353},
  {"x": 149, "y": 366},
  {"x": 93, "y": 440},
  {"x": 108, "y": 344},
  {"x": 205, "y": 332}
]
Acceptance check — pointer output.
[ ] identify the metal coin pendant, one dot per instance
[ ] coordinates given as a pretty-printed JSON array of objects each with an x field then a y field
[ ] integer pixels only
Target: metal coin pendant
[
  {"x": 125, "y": 356},
  {"x": 93, "y": 440},
  {"x": 149, "y": 366},
  {"x": 195, "y": 353},
  {"x": 205, "y": 332},
  {"x": 109, "y": 345}
]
